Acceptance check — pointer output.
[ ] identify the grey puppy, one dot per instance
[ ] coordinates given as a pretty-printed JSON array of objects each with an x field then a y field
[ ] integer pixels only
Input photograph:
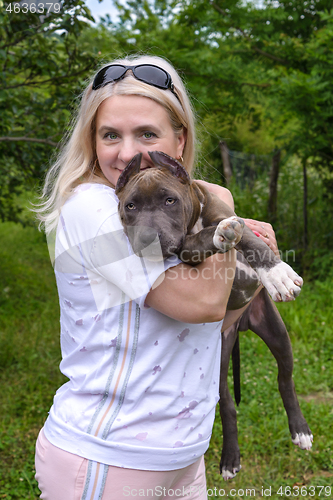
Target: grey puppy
[{"x": 164, "y": 203}]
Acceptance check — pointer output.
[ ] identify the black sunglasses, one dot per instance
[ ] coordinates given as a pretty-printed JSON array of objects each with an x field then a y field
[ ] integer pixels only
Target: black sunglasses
[{"x": 147, "y": 73}]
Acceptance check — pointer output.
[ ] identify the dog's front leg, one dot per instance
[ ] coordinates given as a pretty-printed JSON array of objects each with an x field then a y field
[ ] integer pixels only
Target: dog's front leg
[{"x": 210, "y": 240}]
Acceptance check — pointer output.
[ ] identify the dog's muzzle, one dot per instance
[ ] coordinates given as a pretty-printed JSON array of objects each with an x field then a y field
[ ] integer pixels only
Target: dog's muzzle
[{"x": 145, "y": 242}]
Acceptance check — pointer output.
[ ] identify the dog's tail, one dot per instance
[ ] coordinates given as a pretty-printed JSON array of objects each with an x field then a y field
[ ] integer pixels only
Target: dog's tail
[{"x": 236, "y": 370}]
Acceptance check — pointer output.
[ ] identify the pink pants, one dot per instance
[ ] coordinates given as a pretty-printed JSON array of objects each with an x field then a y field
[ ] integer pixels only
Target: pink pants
[{"x": 64, "y": 476}]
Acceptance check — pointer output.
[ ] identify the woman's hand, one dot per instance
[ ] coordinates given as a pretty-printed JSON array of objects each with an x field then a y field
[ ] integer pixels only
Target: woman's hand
[{"x": 265, "y": 232}]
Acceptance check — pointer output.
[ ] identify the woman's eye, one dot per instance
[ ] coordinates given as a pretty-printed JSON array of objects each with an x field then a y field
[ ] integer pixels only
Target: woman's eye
[
  {"x": 149, "y": 135},
  {"x": 111, "y": 135},
  {"x": 170, "y": 201},
  {"x": 130, "y": 206}
]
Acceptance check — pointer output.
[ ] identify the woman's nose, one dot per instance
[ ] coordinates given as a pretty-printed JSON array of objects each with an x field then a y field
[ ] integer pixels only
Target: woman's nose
[{"x": 127, "y": 150}]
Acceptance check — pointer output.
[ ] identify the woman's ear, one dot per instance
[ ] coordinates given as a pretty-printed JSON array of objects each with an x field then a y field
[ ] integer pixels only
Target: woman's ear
[{"x": 181, "y": 142}]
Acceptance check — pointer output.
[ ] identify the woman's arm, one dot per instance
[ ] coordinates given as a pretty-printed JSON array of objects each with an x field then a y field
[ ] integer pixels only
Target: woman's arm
[
  {"x": 220, "y": 191},
  {"x": 196, "y": 294}
]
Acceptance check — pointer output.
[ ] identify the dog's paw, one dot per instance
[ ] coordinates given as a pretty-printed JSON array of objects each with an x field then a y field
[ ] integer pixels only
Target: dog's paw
[
  {"x": 228, "y": 233},
  {"x": 281, "y": 282},
  {"x": 230, "y": 459},
  {"x": 227, "y": 474},
  {"x": 304, "y": 441}
]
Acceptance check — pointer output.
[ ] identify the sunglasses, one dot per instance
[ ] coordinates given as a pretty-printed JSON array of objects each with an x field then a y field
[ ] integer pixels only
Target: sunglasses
[{"x": 147, "y": 73}]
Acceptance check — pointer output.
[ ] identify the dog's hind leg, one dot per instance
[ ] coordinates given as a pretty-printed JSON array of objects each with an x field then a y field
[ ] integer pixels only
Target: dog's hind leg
[
  {"x": 263, "y": 318},
  {"x": 230, "y": 459}
]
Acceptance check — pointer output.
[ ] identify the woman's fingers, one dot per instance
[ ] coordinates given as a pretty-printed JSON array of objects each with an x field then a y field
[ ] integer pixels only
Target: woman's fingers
[{"x": 265, "y": 232}]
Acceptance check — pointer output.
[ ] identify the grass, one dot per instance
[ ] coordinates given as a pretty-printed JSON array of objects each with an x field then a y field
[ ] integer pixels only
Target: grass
[
  {"x": 29, "y": 354},
  {"x": 29, "y": 377}
]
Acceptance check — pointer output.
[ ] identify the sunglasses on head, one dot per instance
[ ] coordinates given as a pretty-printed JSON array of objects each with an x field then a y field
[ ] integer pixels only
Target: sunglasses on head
[{"x": 147, "y": 73}]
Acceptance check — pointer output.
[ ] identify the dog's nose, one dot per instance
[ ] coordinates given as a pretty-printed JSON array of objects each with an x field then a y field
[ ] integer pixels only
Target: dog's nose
[{"x": 147, "y": 236}]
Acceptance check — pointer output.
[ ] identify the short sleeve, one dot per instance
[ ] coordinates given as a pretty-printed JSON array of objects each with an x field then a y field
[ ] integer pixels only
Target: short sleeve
[{"x": 121, "y": 275}]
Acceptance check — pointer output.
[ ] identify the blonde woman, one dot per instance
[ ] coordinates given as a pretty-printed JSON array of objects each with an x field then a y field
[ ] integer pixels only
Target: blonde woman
[{"x": 140, "y": 344}]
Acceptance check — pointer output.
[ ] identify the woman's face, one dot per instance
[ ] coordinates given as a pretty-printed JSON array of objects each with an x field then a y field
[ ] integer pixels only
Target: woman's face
[{"x": 131, "y": 124}]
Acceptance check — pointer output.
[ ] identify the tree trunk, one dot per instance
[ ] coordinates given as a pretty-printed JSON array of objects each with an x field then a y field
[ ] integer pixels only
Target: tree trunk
[
  {"x": 227, "y": 172},
  {"x": 273, "y": 183},
  {"x": 305, "y": 206}
]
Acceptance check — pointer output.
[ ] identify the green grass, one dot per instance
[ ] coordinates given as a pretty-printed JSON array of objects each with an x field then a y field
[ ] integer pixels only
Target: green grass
[
  {"x": 29, "y": 377},
  {"x": 29, "y": 354}
]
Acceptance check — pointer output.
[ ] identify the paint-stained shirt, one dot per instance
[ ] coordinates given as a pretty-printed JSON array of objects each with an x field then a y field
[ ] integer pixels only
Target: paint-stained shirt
[{"x": 142, "y": 387}]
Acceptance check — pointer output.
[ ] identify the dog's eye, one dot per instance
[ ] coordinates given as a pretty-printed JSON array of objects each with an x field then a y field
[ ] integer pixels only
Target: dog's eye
[
  {"x": 170, "y": 201},
  {"x": 130, "y": 206}
]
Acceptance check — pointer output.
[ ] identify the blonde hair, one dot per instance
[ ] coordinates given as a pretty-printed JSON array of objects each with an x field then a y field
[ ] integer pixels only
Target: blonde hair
[{"x": 76, "y": 162}]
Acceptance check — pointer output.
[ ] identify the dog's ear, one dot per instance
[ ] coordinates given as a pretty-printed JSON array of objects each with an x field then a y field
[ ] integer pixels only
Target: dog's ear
[
  {"x": 131, "y": 169},
  {"x": 163, "y": 160}
]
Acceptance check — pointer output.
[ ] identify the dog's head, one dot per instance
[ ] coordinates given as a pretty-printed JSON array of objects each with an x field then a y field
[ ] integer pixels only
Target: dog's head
[{"x": 155, "y": 204}]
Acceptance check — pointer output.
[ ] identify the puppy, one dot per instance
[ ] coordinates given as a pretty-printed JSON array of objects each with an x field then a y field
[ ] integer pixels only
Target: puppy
[{"x": 164, "y": 204}]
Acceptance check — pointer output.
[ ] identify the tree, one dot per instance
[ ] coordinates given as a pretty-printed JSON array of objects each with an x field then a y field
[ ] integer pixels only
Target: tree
[{"x": 42, "y": 67}]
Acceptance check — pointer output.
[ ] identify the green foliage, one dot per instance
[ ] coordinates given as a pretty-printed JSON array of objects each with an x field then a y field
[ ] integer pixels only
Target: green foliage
[
  {"x": 280, "y": 57},
  {"x": 42, "y": 69},
  {"x": 321, "y": 263},
  {"x": 290, "y": 222}
]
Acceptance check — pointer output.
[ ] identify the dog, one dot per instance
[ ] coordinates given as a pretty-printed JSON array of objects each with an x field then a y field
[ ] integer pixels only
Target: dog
[{"x": 164, "y": 203}]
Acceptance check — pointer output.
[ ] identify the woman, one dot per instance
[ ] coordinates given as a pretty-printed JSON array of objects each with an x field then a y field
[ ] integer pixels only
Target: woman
[{"x": 140, "y": 343}]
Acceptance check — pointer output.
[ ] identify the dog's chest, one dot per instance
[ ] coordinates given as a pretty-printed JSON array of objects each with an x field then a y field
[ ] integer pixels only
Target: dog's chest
[{"x": 198, "y": 226}]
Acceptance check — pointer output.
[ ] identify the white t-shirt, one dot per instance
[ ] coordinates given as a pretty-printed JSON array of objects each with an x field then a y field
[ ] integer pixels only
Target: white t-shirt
[{"x": 142, "y": 387}]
